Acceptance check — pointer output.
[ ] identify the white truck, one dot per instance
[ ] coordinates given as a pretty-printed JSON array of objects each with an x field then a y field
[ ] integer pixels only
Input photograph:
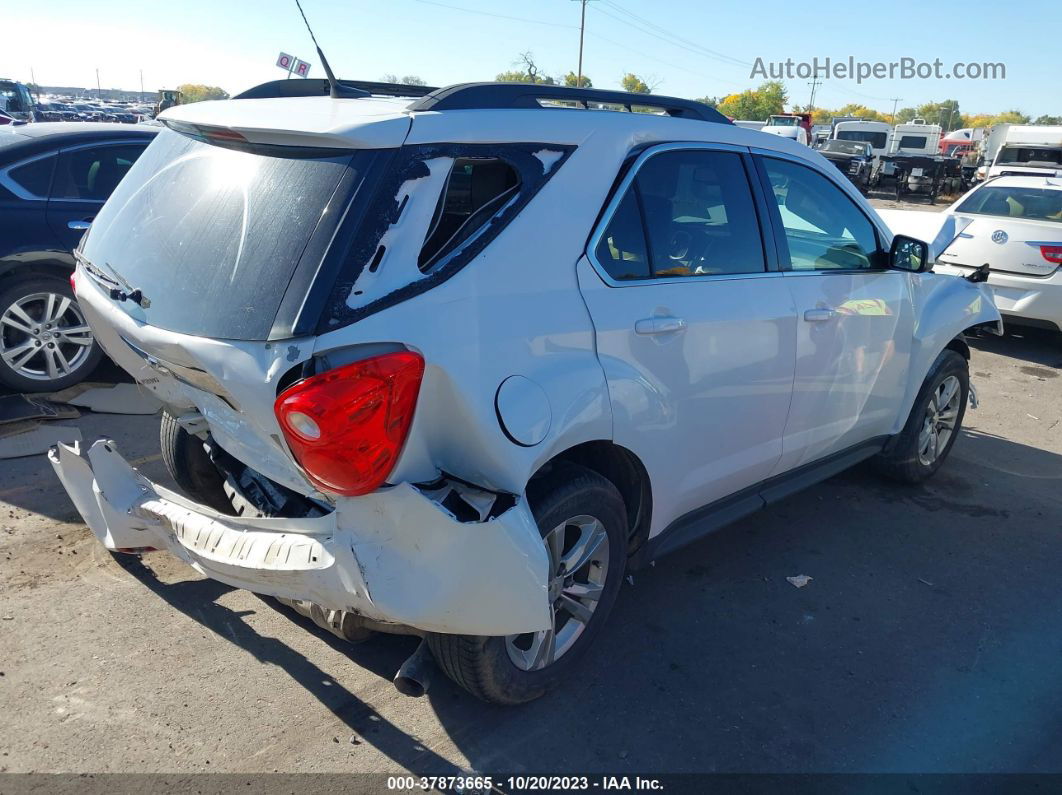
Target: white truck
[
  {"x": 915, "y": 138},
  {"x": 875, "y": 133},
  {"x": 1034, "y": 150}
]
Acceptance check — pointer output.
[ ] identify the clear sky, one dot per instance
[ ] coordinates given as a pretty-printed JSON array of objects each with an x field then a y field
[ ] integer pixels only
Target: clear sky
[{"x": 234, "y": 43}]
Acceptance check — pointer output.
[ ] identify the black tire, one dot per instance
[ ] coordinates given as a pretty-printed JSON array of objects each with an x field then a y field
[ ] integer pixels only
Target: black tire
[
  {"x": 188, "y": 463},
  {"x": 19, "y": 289},
  {"x": 482, "y": 665},
  {"x": 901, "y": 460}
]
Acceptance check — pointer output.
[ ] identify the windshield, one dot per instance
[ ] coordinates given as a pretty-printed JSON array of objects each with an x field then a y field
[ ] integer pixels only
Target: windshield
[
  {"x": 844, "y": 147},
  {"x": 1039, "y": 204},
  {"x": 875, "y": 139},
  {"x": 783, "y": 121},
  {"x": 211, "y": 236},
  {"x": 1031, "y": 154}
]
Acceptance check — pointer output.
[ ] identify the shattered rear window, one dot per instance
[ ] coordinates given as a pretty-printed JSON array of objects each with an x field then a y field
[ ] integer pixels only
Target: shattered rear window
[{"x": 440, "y": 207}]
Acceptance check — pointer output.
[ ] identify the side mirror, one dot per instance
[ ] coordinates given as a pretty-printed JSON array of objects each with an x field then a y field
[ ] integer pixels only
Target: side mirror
[{"x": 909, "y": 254}]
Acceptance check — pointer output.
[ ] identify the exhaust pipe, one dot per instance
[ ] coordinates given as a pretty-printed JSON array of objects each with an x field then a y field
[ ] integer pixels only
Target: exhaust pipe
[{"x": 414, "y": 677}]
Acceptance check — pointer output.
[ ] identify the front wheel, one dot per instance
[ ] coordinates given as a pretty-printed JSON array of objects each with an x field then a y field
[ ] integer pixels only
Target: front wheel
[
  {"x": 583, "y": 523},
  {"x": 934, "y": 422}
]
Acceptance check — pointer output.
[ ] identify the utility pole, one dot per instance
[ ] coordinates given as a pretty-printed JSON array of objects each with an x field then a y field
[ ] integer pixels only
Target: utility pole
[
  {"x": 582, "y": 29},
  {"x": 37, "y": 88},
  {"x": 141, "y": 85},
  {"x": 815, "y": 83},
  {"x": 99, "y": 91},
  {"x": 895, "y": 102}
]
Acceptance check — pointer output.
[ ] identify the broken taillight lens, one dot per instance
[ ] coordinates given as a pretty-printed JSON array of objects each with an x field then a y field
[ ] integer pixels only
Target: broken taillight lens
[
  {"x": 347, "y": 427},
  {"x": 1052, "y": 254}
]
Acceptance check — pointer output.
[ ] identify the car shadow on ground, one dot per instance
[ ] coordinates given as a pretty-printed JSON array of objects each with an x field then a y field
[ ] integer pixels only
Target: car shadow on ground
[
  {"x": 927, "y": 640},
  {"x": 1024, "y": 343},
  {"x": 197, "y": 599}
]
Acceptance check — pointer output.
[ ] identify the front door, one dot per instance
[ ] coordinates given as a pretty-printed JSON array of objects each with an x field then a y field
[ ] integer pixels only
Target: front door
[
  {"x": 694, "y": 332},
  {"x": 855, "y": 321}
]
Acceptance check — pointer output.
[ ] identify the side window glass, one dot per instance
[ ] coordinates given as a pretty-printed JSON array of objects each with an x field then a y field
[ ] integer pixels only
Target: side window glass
[
  {"x": 476, "y": 190},
  {"x": 93, "y": 173},
  {"x": 824, "y": 229},
  {"x": 622, "y": 251},
  {"x": 35, "y": 177},
  {"x": 700, "y": 218}
]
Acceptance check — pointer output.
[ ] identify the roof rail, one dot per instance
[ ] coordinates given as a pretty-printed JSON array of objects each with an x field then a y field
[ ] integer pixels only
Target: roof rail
[
  {"x": 468, "y": 96},
  {"x": 315, "y": 87}
]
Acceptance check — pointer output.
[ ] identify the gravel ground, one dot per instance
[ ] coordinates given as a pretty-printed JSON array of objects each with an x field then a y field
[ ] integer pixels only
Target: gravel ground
[{"x": 928, "y": 639}]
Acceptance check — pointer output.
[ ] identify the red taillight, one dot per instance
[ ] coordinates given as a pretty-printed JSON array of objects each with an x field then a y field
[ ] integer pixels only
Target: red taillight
[
  {"x": 346, "y": 427},
  {"x": 73, "y": 287},
  {"x": 1052, "y": 254}
]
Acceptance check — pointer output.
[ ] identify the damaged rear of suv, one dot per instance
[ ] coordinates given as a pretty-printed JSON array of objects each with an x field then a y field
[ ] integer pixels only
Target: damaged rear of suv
[{"x": 402, "y": 389}]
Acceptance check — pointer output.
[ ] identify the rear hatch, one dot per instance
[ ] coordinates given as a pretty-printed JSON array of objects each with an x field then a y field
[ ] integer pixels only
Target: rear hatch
[
  {"x": 1014, "y": 228},
  {"x": 201, "y": 274},
  {"x": 213, "y": 237}
]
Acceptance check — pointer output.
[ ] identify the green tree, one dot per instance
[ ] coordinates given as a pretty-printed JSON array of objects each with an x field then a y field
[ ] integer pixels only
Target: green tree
[
  {"x": 1045, "y": 119},
  {"x": 408, "y": 80},
  {"x": 755, "y": 104},
  {"x": 529, "y": 73},
  {"x": 945, "y": 113},
  {"x": 634, "y": 84},
  {"x": 572, "y": 81},
  {"x": 197, "y": 92}
]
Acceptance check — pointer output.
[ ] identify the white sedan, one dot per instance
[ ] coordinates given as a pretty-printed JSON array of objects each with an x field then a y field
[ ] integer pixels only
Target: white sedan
[{"x": 1015, "y": 225}]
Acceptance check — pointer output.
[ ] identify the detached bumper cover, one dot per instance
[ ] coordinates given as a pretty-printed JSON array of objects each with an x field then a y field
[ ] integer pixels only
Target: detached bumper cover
[{"x": 394, "y": 555}]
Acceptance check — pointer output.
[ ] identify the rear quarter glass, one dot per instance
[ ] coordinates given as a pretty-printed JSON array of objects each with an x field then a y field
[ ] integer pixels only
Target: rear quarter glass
[
  {"x": 381, "y": 265},
  {"x": 213, "y": 236}
]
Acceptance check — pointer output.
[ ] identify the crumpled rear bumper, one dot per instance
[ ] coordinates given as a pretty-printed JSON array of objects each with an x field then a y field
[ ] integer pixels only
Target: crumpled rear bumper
[{"x": 394, "y": 556}]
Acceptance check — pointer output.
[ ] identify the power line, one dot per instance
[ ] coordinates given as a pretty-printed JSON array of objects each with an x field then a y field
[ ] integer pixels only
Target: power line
[
  {"x": 669, "y": 38},
  {"x": 497, "y": 16},
  {"x": 815, "y": 83},
  {"x": 582, "y": 30}
]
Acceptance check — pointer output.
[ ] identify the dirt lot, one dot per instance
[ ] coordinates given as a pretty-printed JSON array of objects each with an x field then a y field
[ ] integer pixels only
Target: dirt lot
[{"x": 928, "y": 640}]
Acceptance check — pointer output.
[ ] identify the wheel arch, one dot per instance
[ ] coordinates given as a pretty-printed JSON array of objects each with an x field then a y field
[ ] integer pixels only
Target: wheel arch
[
  {"x": 9, "y": 271},
  {"x": 625, "y": 471}
]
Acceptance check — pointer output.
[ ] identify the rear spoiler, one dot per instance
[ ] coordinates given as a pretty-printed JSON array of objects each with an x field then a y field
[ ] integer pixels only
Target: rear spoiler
[{"x": 316, "y": 87}]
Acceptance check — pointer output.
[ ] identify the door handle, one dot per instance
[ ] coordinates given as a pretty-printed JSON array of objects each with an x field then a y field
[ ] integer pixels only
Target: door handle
[
  {"x": 819, "y": 315},
  {"x": 659, "y": 325},
  {"x": 78, "y": 226}
]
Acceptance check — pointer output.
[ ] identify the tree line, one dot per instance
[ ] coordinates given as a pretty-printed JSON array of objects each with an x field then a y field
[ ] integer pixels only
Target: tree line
[{"x": 771, "y": 98}]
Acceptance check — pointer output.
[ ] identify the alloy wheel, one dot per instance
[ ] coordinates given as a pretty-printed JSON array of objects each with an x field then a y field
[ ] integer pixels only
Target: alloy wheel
[
  {"x": 44, "y": 336},
  {"x": 942, "y": 414},
  {"x": 578, "y": 570}
]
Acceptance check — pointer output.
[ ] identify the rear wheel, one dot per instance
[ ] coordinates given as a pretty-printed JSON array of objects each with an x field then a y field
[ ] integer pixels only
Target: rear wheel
[
  {"x": 189, "y": 465},
  {"x": 934, "y": 422},
  {"x": 582, "y": 519},
  {"x": 45, "y": 343}
]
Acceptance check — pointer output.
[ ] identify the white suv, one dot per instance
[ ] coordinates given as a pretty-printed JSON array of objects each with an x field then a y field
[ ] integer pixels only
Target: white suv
[{"x": 451, "y": 364}]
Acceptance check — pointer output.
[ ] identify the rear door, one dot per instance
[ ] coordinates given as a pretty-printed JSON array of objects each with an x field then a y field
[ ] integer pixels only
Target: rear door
[
  {"x": 855, "y": 320},
  {"x": 84, "y": 177},
  {"x": 695, "y": 330},
  {"x": 24, "y": 184}
]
